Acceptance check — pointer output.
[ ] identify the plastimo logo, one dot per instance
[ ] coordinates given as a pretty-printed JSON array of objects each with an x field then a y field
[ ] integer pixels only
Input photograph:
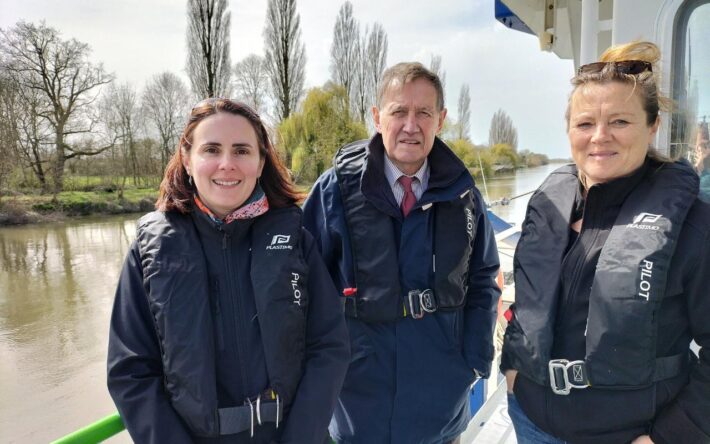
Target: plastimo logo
[
  {"x": 280, "y": 242},
  {"x": 644, "y": 221}
]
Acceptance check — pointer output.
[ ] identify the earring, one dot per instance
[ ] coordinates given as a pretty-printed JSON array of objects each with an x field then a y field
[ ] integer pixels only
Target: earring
[{"x": 189, "y": 179}]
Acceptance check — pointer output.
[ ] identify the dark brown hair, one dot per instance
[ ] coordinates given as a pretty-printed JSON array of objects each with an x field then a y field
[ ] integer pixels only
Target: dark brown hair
[
  {"x": 176, "y": 193},
  {"x": 406, "y": 72}
]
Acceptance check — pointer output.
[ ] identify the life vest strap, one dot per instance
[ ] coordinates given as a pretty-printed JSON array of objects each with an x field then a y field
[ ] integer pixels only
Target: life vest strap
[
  {"x": 246, "y": 417},
  {"x": 566, "y": 375}
]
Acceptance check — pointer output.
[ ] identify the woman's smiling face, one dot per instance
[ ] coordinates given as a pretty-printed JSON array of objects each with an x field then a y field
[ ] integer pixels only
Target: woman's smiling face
[
  {"x": 224, "y": 161},
  {"x": 607, "y": 131}
]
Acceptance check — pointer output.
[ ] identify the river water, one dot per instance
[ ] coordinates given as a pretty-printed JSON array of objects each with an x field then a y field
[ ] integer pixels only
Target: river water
[{"x": 56, "y": 292}]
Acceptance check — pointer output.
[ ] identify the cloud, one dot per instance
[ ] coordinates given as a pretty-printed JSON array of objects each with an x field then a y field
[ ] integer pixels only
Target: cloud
[{"x": 504, "y": 68}]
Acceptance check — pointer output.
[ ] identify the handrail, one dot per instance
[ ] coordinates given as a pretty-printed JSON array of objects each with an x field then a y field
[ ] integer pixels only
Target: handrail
[{"x": 96, "y": 432}]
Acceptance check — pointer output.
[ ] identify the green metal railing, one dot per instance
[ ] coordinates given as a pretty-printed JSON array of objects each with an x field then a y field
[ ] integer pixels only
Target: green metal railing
[
  {"x": 99, "y": 431},
  {"x": 94, "y": 433}
]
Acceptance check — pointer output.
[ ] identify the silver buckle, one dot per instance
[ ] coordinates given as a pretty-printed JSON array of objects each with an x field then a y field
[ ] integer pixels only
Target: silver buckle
[
  {"x": 415, "y": 301},
  {"x": 258, "y": 409},
  {"x": 564, "y": 365},
  {"x": 251, "y": 411},
  {"x": 426, "y": 299},
  {"x": 421, "y": 301}
]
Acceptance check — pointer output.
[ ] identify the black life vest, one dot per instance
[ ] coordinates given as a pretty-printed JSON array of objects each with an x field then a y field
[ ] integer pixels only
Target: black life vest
[
  {"x": 379, "y": 296},
  {"x": 176, "y": 283},
  {"x": 629, "y": 282}
]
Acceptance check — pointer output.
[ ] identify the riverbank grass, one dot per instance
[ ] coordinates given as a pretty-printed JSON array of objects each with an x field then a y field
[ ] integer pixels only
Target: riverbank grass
[{"x": 30, "y": 208}]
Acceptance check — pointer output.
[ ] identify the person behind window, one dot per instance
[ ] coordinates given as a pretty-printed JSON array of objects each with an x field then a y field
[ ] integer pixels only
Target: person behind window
[
  {"x": 611, "y": 277},
  {"x": 702, "y": 160},
  {"x": 226, "y": 325}
]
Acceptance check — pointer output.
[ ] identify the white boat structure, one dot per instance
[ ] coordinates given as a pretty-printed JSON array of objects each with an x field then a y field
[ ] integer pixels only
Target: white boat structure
[{"x": 580, "y": 30}]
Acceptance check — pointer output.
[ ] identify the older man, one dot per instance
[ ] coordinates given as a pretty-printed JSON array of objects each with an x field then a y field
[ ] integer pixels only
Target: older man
[{"x": 405, "y": 236}]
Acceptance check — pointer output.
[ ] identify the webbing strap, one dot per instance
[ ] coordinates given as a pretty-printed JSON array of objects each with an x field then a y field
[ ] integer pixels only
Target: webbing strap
[
  {"x": 239, "y": 419},
  {"x": 350, "y": 309},
  {"x": 566, "y": 375},
  {"x": 670, "y": 366}
]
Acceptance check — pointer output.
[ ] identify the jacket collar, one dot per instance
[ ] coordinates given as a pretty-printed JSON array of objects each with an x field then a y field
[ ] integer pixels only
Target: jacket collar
[
  {"x": 448, "y": 177},
  {"x": 615, "y": 192}
]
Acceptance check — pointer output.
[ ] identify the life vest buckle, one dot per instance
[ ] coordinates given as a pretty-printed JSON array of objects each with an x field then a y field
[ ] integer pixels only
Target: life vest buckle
[
  {"x": 420, "y": 302},
  {"x": 566, "y": 375}
]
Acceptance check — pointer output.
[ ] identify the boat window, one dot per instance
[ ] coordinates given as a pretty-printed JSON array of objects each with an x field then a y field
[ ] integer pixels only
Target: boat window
[{"x": 691, "y": 89}]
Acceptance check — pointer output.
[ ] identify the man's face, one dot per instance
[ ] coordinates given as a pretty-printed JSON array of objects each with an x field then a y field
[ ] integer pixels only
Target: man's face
[{"x": 408, "y": 121}]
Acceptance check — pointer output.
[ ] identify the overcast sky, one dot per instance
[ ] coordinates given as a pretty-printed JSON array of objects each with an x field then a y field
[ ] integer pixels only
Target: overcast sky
[{"x": 136, "y": 39}]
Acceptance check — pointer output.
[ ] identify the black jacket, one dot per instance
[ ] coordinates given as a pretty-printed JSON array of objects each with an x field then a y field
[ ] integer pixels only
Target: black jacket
[
  {"x": 137, "y": 377},
  {"x": 675, "y": 409},
  {"x": 374, "y": 240}
]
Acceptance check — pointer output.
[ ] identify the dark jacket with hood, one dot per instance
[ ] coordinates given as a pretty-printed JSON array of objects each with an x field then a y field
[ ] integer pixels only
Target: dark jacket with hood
[
  {"x": 626, "y": 295},
  {"x": 408, "y": 380},
  {"x": 186, "y": 337}
]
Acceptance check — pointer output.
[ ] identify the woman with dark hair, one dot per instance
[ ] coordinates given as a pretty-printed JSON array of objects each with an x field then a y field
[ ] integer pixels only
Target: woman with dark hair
[
  {"x": 611, "y": 277},
  {"x": 226, "y": 326}
]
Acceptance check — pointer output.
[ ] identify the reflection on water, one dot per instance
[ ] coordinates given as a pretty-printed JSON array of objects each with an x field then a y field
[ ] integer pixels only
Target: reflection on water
[
  {"x": 520, "y": 183},
  {"x": 512, "y": 185},
  {"x": 56, "y": 291}
]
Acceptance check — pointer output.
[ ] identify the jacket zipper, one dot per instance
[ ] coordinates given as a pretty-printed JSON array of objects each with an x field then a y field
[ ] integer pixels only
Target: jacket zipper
[
  {"x": 218, "y": 315},
  {"x": 233, "y": 296}
]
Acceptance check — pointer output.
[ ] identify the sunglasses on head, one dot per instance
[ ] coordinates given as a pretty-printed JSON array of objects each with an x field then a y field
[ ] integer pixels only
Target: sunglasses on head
[{"x": 632, "y": 67}]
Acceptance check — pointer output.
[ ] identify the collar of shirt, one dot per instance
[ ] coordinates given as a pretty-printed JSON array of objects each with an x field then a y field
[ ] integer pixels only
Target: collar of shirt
[{"x": 392, "y": 173}]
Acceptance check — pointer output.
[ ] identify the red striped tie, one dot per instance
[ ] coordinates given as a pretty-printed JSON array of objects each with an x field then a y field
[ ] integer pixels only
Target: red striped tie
[{"x": 409, "y": 198}]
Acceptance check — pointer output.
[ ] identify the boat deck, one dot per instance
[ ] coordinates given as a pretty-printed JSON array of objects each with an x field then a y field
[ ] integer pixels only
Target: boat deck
[{"x": 491, "y": 424}]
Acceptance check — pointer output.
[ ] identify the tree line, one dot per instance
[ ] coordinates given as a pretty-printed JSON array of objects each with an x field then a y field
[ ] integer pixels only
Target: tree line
[{"x": 62, "y": 113}]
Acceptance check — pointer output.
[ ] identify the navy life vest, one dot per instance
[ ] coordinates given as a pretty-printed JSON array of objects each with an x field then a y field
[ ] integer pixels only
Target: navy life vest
[
  {"x": 379, "y": 296},
  {"x": 629, "y": 282},
  {"x": 176, "y": 283}
]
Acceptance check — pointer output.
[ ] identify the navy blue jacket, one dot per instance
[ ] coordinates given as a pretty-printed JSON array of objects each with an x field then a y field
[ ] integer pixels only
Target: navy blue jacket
[
  {"x": 135, "y": 369},
  {"x": 408, "y": 380}
]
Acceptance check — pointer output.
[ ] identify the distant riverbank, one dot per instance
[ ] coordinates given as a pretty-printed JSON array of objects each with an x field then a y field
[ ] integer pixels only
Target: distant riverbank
[
  {"x": 23, "y": 209},
  {"x": 29, "y": 208}
]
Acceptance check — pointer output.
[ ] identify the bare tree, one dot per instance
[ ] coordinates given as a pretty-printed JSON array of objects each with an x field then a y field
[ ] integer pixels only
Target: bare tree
[
  {"x": 250, "y": 80},
  {"x": 463, "y": 125},
  {"x": 9, "y": 135},
  {"x": 285, "y": 55},
  {"x": 362, "y": 87},
  {"x": 165, "y": 101},
  {"x": 120, "y": 112},
  {"x": 38, "y": 59},
  {"x": 345, "y": 49},
  {"x": 24, "y": 135},
  {"x": 208, "y": 63},
  {"x": 34, "y": 135},
  {"x": 502, "y": 130},
  {"x": 370, "y": 62},
  {"x": 376, "y": 57},
  {"x": 435, "y": 67}
]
